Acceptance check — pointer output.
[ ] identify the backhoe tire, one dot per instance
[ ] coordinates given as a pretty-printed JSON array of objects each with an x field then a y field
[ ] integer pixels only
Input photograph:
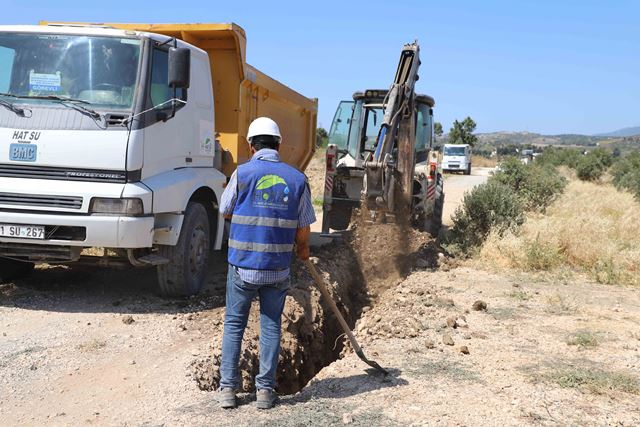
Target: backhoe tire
[
  {"x": 340, "y": 217},
  {"x": 436, "y": 223},
  {"x": 433, "y": 223},
  {"x": 186, "y": 271},
  {"x": 11, "y": 269}
]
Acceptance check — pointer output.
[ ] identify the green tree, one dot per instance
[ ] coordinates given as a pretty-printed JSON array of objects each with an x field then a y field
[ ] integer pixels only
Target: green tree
[
  {"x": 437, "y": 129},
  {"x": 322, "y": 137},
  {"x": 462, "y": 132}
]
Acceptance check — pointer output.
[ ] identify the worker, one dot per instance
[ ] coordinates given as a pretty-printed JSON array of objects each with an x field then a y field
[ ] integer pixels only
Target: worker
[{"x": 269, "y": 204}]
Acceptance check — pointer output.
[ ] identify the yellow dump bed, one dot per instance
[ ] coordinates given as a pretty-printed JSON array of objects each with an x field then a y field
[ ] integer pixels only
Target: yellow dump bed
[{"x": 242, "y": 93}]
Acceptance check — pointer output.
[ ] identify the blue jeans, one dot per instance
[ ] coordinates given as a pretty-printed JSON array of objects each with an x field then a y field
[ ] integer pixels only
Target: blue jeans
[{"x": 239, "y": 297}]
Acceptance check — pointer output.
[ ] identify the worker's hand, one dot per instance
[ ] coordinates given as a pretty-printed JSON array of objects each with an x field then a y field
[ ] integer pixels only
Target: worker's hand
[
  {"x": 302, "y": 243},
  {"x": 302, "y": 252}
]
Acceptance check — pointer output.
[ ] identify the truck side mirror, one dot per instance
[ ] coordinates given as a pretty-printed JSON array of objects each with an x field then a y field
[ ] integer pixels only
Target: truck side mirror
[{"x": 179, "y": 67}]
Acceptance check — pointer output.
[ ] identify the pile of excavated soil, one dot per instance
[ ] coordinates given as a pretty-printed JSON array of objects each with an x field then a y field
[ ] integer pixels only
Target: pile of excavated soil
[{"x": 387, "y": 252}]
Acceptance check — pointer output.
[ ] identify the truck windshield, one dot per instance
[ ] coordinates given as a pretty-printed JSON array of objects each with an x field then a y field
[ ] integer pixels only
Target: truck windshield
[
  {"x": 454, "y": 151},
  {"x": 101, "y": 71}
]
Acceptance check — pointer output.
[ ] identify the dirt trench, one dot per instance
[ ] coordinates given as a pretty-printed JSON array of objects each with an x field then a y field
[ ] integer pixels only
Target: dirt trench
[{"x": 357, "y": 267}]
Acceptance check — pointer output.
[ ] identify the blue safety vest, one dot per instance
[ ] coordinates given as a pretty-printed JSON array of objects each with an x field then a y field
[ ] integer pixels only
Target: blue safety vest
[{"x": 265, "y": 217}]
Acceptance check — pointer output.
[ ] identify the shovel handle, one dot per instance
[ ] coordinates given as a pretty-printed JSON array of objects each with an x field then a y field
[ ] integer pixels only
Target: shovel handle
[{"x": 320, "y": 283}]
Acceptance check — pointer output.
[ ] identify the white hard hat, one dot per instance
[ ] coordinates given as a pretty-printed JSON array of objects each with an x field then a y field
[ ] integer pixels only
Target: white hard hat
[{"x": 264, "y": 126}]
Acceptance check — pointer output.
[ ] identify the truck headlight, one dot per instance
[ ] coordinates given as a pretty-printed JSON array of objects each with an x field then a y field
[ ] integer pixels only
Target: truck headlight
[{"x": 104, "y": 206}]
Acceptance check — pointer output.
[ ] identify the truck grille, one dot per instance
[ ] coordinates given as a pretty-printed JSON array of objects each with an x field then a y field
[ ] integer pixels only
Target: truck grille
[
  {"x": 20, "y": 199},
  {"x": 49, "y": 172}
]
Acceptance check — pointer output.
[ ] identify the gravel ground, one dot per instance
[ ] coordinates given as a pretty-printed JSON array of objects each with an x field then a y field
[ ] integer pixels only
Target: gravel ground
[
  {"x": 90, "y": 346},
  {"x": 74, "y": 356}
]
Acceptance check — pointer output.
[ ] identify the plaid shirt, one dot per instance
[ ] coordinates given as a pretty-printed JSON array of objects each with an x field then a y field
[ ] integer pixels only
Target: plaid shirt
[{"x": 306, "y": 217}]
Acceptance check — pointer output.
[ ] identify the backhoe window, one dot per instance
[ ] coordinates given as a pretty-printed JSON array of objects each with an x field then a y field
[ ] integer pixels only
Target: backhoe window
[
  {"x": 423, "y": 128},
  {"x": 354, "y": 131},
  {"x": 339, "y": 132},
  {"x": 374, "y": 120},
  {"x": 100, "y": 70}
]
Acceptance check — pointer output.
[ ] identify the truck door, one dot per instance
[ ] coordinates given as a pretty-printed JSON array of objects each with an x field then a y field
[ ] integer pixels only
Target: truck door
[{"x": 168, "y": 144}]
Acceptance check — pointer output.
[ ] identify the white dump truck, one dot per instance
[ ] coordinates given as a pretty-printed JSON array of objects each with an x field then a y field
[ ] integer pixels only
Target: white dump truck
[{"x": 123, "y": 136}]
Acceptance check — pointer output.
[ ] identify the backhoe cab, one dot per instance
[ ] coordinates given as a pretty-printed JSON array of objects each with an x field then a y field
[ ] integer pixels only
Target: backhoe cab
[{"x": 353, "y": 139}]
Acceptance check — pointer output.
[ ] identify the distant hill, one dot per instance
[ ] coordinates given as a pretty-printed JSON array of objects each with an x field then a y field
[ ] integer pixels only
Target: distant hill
[
  {"x": 632, "y": 131},
  {"x": 502, "y": 138}
]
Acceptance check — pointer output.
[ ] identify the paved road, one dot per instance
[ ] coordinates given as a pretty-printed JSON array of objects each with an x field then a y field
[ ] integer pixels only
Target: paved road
[{"x": 456, "y": 185}]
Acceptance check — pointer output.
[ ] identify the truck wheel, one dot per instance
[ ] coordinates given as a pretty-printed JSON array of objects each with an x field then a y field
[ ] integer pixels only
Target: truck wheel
[
  {"x": 11, "y": 269},
  {"x": 340, "y": 217},
  {"x": 186, "y": 271},
  {"x": 468, "y": 171}
]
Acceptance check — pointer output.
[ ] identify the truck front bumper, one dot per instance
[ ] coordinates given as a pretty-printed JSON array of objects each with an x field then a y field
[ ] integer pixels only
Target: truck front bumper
[{"x": 84, "y": 230}]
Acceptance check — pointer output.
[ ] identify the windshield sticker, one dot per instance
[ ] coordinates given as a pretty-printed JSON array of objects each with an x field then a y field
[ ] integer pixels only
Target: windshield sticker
[
  {"x": 44, "y": 82},
  {"x": 135, "y": 42}
]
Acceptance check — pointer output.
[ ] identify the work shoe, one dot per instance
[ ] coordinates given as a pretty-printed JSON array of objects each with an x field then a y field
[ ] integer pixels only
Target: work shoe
[
  {"x": 266, "y": 398},
  {"x": 227, "y": 398}
]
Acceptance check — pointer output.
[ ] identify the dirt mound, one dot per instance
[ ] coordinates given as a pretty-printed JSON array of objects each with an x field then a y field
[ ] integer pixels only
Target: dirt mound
[{"x": 387, "y": 252}]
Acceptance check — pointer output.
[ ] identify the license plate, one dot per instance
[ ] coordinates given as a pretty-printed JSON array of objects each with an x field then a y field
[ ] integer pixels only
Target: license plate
[
  {"x": 23, "y": 152},
  {"x": 22, "y": 231}
]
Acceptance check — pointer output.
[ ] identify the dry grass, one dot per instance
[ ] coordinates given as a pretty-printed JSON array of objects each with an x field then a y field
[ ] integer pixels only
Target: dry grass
[
  {"x": 583, "y": 339},
  {"x": 591, "y": 227},
  {"x": 92, "y": 345},
  {"x": 483, "y": 162},
  {"x": 594, "y": 381}
]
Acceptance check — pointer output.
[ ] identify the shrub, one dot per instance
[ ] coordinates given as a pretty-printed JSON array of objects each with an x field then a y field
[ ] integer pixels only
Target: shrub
[
  {"x": 560, "y": 157},
  {"x": 489, "y": 206},
  {"x": 592, "y": 166},
  {"x": 626, "y": 174},
  {"x": 540, "y": 255},
  {"x": 535, "y": 185}
]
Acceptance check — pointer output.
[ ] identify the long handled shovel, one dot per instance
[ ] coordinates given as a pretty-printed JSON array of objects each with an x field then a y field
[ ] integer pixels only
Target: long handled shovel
[{"x": 325, "y": 294}]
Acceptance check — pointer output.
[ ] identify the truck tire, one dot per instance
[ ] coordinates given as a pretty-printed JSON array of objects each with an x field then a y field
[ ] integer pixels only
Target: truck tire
[
  {"x": 340, "y": 216},
  {"x": 11, "y": 269},
  {"x": 186, "y": 271},
  {"x": 468, "y": 170}
]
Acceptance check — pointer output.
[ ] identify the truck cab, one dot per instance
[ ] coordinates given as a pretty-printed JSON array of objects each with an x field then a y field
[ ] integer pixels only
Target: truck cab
[
  {"x": 457, "y": 158},
  {"x": 118, "y": 136}
]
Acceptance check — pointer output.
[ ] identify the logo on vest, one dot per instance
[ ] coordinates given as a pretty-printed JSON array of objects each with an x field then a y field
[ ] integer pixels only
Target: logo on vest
[{"x": 271, "y": 192}]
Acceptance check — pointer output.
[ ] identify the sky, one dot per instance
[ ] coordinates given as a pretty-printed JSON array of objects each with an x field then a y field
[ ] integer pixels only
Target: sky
[{"x": 539, "y": 66}]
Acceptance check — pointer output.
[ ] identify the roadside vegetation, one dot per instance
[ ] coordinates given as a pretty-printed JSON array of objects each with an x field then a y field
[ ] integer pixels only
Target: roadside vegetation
[
  {"x": 499, "y": 206},
  {"x": 594, "y": 381},
  {"x": 534, "y": 218}
]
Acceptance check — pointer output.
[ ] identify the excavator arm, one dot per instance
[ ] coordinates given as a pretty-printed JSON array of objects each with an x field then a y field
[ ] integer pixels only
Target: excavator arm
[{"x": 388, "y": 180}]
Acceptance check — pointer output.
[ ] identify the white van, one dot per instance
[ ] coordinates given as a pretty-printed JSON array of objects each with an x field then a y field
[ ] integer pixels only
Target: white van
[{"x": 457, "y": 158}]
